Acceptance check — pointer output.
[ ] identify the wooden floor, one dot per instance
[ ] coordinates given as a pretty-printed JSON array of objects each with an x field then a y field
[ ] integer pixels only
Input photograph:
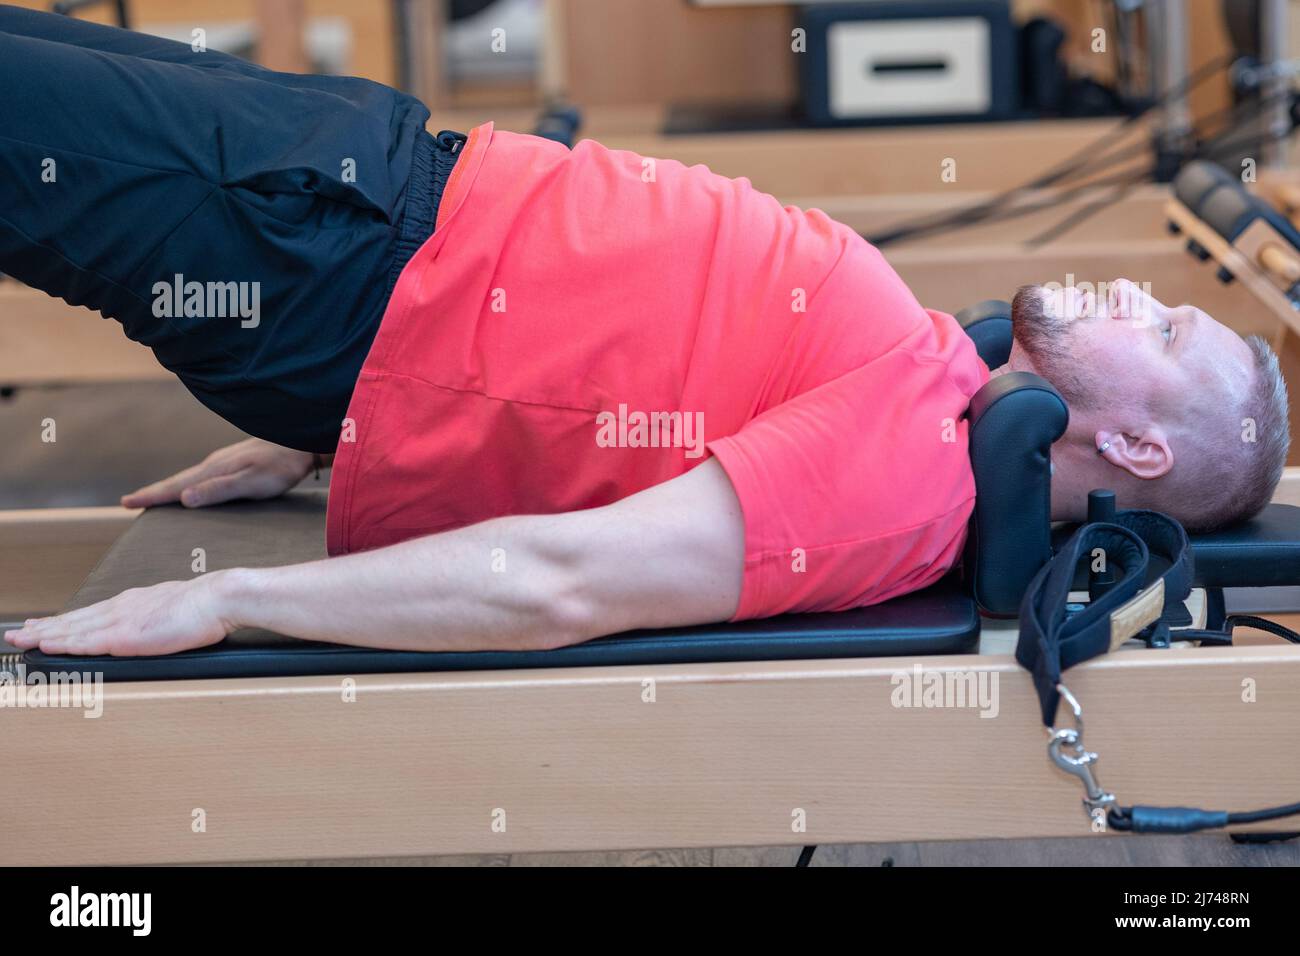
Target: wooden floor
[{"x": 1202, "y": 850}]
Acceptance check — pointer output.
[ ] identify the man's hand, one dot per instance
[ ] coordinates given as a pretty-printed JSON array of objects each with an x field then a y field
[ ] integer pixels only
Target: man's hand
[
  {"x": 168, "y": 617},
  {"x": 249, "y": 469}
]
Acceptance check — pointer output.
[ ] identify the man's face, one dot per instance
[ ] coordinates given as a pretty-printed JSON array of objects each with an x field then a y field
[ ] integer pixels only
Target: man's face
[{"x": 1115, "y": 348}]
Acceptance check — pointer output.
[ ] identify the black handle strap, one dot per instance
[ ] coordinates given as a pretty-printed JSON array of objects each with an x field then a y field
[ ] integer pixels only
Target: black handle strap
[{"x": 1054, "y": 637}]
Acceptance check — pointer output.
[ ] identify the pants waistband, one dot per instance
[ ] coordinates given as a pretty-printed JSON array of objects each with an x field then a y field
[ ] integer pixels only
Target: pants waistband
[{"x": 432, "y": 161}]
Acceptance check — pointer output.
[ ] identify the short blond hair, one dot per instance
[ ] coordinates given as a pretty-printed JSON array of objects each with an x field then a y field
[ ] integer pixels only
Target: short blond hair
[{"x": 1231, "y": 481}]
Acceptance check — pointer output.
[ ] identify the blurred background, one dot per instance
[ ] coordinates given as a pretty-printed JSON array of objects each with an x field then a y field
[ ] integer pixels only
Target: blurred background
[
  {"x": 660, "y": 54},
  {"x": 898, "y": 118}
]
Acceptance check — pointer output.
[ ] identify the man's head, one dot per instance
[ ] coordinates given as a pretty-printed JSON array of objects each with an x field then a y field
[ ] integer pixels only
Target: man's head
[{"x": 1169, "y": 408}]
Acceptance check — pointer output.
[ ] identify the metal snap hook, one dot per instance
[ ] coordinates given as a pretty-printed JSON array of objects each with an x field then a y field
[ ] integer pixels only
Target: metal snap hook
[{"x": 1079, "y": 763}]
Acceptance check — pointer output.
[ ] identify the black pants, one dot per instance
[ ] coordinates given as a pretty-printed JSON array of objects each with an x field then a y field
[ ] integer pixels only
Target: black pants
[{"x": 246, "y": 225}]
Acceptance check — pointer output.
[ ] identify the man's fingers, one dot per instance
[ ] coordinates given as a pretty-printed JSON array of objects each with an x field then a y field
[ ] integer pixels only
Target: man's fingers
[
  {"x": 62, "y": 626},
  {"x": 218, "y": 489},
  {"x": 96, "y": 637},
  {"x": 164, "y": 491},
  {"x": 22, "y": 639},
  {"x": 70, "y": 620},
  {"x": 91, "y": 643}
]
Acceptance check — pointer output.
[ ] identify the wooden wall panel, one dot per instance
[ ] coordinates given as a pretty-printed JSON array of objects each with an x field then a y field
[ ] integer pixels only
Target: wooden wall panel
[{"x": 667, "y": 51}]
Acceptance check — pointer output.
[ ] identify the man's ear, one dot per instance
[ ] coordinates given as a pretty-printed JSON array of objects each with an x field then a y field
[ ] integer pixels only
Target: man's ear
[{"x": 1144, "y": 456}]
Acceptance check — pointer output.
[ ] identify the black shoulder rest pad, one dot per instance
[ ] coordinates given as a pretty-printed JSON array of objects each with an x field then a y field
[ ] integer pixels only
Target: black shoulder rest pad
[
  {"x": 988, "y": 324},
  {"x": 1261, "y": 552},
  {"x": 1014, "y": 419}
]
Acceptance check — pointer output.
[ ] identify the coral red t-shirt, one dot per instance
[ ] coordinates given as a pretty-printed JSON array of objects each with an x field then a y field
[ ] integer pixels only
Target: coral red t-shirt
[{"x": 585, "y": 324}]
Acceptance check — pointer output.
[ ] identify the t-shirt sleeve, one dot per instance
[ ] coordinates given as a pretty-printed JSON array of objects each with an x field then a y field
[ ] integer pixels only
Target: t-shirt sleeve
[{"x": 857, "y": 490}]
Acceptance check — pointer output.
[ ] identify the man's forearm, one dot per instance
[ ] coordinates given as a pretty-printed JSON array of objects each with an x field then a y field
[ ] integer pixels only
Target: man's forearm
[
  {"x": 510, "y": 583},
  {"x": 669, "y": 556}
]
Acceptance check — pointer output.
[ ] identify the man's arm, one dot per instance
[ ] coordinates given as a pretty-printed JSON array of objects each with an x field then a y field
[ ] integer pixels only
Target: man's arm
[{"x": 668, "y": 556}]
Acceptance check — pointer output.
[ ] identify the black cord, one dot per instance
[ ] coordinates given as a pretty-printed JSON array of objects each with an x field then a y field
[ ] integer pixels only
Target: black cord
[
  {"x": 1116, "y": 23},
  {"x": 1263, "y": 624},
  {"x": 1124, "y": 179},
  {"x": 1218, "y": 141},
  {"x": 1139, "y": 819},
  {"x": 1273, "y": 813},
  {"x": 1128, "y": 178},
  {"x": 1255, "y": 838},
  {"x": 806, "y": 855},
  {"x": 1078, "y": 217},
  {"x": 1079, "y": 161}
]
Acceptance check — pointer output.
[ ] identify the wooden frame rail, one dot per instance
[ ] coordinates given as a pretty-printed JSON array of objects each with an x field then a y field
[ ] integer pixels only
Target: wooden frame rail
[{"x": 614, "y": 758}]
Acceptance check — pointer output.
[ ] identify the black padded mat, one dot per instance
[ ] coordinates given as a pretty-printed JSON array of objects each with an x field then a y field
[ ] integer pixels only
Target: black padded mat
[{"x": 163, "y": 544}]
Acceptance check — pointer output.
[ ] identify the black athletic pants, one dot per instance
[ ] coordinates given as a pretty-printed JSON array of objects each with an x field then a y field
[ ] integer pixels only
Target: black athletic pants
[{"x": 246, "y": 225}]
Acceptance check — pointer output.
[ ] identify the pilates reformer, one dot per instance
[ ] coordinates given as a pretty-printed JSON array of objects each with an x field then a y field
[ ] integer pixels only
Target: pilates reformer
[
  {"x": 779, "y": 731},
  {"x": 774, "y": 731}
]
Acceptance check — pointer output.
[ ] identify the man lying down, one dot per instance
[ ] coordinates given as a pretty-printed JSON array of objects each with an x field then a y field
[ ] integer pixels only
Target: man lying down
[{"x": 564, "y": 394}]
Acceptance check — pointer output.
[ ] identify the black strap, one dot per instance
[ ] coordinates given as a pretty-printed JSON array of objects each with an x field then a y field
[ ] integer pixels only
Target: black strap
[{"x": 1053, "y": 638}]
